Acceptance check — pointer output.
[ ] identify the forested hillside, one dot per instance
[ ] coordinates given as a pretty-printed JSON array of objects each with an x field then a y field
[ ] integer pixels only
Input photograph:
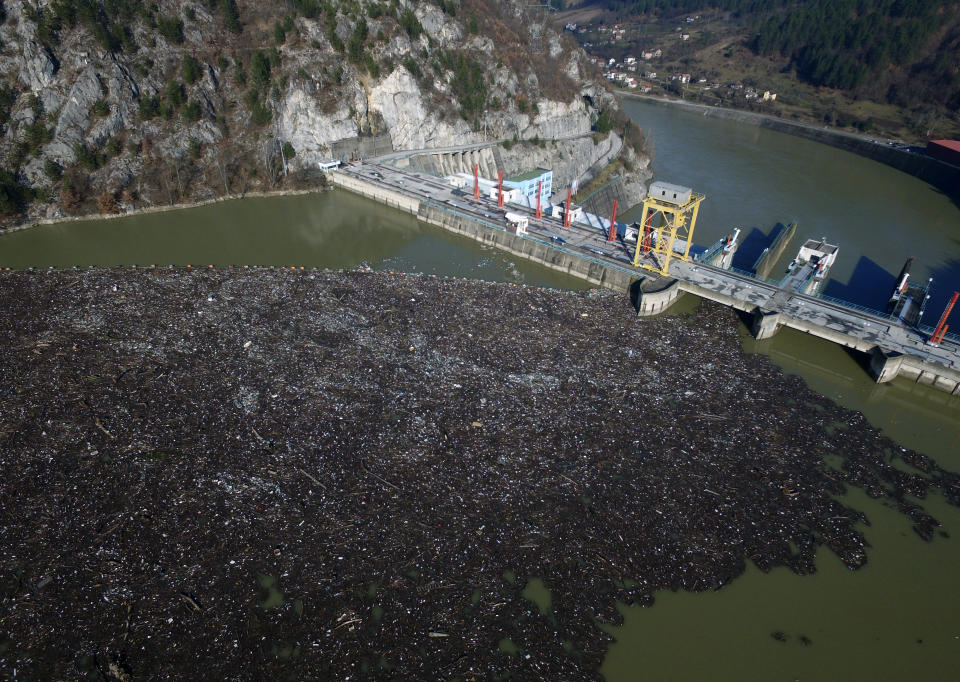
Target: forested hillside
[
  {"x": 908, "y": 45},
  {"x": 898, "y": 51}
]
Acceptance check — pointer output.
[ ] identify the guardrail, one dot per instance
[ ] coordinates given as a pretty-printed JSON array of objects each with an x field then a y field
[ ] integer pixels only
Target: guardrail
[
  {"x": 742, "y": 273},
  {"x": 855, "y": 306},
  {"x": 928, "y": 330},
  {"x": 712, "y": 251}
]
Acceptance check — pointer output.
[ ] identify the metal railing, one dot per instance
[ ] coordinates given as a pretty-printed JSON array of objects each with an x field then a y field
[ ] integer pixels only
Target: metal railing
[
  {"x": 855, "y": 306},
  {"x": 751, "y": 275},
  {"x": 929, "y": 329},
  {"x": 712, "y": 251}
]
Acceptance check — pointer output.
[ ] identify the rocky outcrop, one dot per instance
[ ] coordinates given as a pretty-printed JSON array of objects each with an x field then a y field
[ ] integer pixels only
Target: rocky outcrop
[
  {"x": 37, "y": 67},
  {"x": 310, "y": 130},
  {"x": 412, "y": 125},
  {"x": 74, "y": 117},
  {"x": 436, "y": 85}
]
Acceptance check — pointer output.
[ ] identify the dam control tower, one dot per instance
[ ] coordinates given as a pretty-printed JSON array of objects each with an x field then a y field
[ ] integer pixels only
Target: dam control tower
[{"x": 668, "y": 219}]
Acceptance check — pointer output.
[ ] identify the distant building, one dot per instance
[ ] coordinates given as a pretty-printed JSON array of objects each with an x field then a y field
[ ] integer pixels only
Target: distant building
[
  {"x": 684, "y": 77},
  {"x": 684, "y": 36},
  {"x": 945, "y": 150},
  {"x": 511, "y": 195},
  {"x": 769, "y": 96}
]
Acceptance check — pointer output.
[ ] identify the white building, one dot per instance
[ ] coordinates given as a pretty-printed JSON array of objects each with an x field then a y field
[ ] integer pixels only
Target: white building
[
  {"x": 557, "y": 211},
  {"x": 518, "y": 222}
]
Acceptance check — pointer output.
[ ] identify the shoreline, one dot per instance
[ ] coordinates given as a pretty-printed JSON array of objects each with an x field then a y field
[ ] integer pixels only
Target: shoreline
[
  {"x": 161, "y": 209},
  {"x": 943, "y": 176}
]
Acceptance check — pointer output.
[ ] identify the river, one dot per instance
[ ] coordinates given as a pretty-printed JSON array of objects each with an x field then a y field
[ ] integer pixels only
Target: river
[
  {"x": 894, "y": 619},
  {"x": 897, "y": 618}
]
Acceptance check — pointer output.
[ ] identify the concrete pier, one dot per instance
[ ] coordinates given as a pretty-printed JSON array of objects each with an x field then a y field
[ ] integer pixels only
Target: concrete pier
[
  {"x": 768, "y": 259},
  {"x": 764, "y": 324}
]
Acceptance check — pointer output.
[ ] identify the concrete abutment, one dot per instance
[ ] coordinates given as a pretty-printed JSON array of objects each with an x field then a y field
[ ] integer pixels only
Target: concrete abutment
[
  {"x": 765, "y": 323},
  {"x": 656, "y": 295}
]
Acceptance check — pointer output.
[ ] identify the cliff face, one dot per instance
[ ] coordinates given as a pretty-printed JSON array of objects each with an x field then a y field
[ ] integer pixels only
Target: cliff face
[{"x": 174, "y": 101}]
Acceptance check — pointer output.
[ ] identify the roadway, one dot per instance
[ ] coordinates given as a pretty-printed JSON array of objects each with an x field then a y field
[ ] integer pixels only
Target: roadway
[{"x": 406, "y": 153}]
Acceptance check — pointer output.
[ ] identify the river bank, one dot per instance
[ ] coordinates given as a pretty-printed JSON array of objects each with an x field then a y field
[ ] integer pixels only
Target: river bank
[
  {"x": 943, "y": 176},
  {"x": 166, "y": 208},
  {"x": 297, "y": 473}
]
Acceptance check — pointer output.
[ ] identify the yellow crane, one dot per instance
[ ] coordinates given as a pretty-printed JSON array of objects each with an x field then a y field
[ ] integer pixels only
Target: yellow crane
[{"x": 664, "y": 226}]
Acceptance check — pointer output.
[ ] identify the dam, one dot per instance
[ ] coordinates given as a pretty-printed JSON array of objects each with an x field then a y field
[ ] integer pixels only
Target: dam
[{"x": 587, "y": 251}]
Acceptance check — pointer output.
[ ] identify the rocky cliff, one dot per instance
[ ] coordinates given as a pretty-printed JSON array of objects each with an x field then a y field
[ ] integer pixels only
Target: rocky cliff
[{"x": 114, "y": 104}]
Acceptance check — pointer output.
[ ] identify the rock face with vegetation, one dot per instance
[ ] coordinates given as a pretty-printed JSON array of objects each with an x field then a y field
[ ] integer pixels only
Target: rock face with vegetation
[{"x": 107, "y": 105}]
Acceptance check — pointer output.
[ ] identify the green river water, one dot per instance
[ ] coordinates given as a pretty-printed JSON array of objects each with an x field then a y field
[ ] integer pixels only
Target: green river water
[{"x": 896, "y": 619}]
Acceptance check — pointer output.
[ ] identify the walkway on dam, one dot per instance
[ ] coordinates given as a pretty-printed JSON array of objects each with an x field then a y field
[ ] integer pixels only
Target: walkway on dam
[{"x": 842, "y": 323}]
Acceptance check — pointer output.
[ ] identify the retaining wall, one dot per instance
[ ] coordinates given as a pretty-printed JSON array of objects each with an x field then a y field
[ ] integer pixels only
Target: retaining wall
[
  {"x": 591, "y": 270},
  {"x": 377, "y": 193}
]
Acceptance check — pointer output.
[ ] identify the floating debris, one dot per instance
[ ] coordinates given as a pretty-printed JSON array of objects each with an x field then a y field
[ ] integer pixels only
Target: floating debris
[{"x": 280, "y": 488}]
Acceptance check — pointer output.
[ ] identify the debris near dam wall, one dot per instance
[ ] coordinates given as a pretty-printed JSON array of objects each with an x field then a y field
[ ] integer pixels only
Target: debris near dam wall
[{"x": 275, "y": 474}]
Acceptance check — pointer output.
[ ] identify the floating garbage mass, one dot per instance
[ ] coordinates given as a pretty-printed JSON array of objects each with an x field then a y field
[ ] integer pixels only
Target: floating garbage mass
[{"x": 288, "y": 474}]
